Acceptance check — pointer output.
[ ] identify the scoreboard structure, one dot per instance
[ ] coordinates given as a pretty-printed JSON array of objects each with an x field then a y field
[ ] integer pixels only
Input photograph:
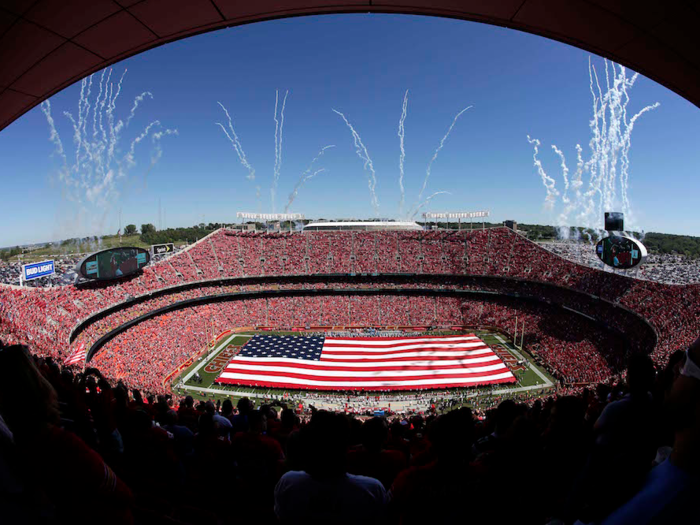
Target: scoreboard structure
[{"x": 450, "y": 216}]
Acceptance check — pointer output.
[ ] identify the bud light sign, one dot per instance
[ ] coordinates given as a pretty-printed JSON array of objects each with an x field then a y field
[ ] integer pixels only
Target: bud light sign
[{"x": 36, "y": 270}]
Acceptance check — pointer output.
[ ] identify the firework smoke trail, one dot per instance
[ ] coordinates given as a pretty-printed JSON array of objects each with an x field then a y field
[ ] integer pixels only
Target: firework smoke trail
[
  {"x": 130, "y": 155},
  {"x": 274, "y": 170},
  {"x": 53, "y": 133},
  {"x": 564, "y": 231},
  {"x": 426, "y": 201},
  {"x": 279, "y": 125},
  {"x": 137, "y": 101},
  {"x": 368, "y": 166},
  {"x": 627, "y": 143},
  {"x": 298, "y": 186},
  {"x": 608, "y": 165},
  {"x": 402, "y": 156},
  {"x": 233, "y": 139},
  {"x": 564, "y": 172},
  {"x": 435, "y": 155},
  {"x": 305, "y": 177},
  {"x": 91, "y": 181},
  {"x": 549, "y": 183},
  {"x": 564, "y": 228},
  {"x": 102, "y": 106},
  {"x": 114, "y": 129},
  {"x": 97, "y": 105}
]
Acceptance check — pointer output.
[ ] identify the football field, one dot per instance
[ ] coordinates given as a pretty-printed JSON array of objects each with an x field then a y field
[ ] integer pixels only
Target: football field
[{"x": 199, "y": 379}]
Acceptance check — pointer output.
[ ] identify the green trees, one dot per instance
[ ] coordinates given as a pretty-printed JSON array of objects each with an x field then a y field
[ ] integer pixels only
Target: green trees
[
  {"x": 188, "y": 235},
  {"x": 147, "y": 229},
  {"x": 7, "y": 254},
  {"x": 130, "y": 229},
  {"x": 668, "y": 243}
]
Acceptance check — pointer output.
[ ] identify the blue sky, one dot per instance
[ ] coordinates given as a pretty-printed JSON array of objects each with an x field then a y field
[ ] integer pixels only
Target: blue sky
[{"x": 518, "y": 84}]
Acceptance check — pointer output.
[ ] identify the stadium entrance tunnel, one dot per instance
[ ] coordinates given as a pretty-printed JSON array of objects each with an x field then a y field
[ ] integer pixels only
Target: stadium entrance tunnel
[{"x": 45, "y": 46}]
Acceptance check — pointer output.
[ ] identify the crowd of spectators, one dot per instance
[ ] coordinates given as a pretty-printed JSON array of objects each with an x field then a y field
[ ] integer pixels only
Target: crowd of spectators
[
  {"x": 660, "y": 268},
  {"x": 64, "y": 266},
  {"x": 75, "y": 448},
  {"x": 44, "y": 317},
  {"x": 575, "y": 350}
]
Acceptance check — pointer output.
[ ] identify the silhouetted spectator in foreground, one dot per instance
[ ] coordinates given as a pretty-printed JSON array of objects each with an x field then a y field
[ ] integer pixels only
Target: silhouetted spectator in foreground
[
  {"x": 371, "y": 458},
  {"x": 447, "y": 490},
  {"x": 239, "y": 422},
  {"x": 187, "y": 414},
  {"x": 624, "y": 447},
  {"x": 324, "y": 492},
  {"x": 223, "y": 424},
  {"x": 670, "y": 491},
  {"x": 182, "y": 436},
  {"x": 65, "y": 481}
]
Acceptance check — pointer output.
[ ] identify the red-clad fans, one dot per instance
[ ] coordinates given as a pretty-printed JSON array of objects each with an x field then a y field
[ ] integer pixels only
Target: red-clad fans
[
  {"x": 142, "y": 356},
  {"x": 46, "y": 317}
]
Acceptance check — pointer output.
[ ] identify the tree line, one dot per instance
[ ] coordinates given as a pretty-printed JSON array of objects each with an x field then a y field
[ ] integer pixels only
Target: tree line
[{"x": 657, "y": 243}]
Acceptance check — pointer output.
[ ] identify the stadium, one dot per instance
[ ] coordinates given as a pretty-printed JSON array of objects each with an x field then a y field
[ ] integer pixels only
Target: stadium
[{"x": 339, "y": 371}]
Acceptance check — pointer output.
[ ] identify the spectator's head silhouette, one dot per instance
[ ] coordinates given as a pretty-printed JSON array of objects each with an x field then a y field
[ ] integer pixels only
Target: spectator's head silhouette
[
  {"x": 506, "y": 413},
  {"x": 288, "y": 418},
  {"x": 374, "y": 433},
  {"x": 450, "y": 434},
  {"x": 244, "y": 406},
  {"x": 325, "y": 445},
  {"x": 640, "y": 374},
  {"x": 171, "y": 418},
  {"x": 257, "y": 422},
  {"x": 207, "y": 426},
  {"x": 28, "y": 402}
]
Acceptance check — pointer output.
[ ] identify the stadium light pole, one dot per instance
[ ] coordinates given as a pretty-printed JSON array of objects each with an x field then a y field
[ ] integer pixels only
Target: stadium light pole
[{"x": 19, "y": 261}]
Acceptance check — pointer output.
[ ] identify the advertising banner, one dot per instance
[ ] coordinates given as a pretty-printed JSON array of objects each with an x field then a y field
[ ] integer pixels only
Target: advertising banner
[
  {"x": 36, "y": 270},
  {"x": 159, "y": 249}
]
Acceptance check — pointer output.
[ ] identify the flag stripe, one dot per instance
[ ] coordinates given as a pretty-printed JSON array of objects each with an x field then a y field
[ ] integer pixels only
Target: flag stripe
[
  {"x": 412, "y": 354},
  {"x": 76, "y": 357},
  {"x": 468, "y": 347},
  {"x": 352, "y": 375},
  {"x": 330, "y": 342},
  {"x": 393, "y": 388},
  {"x": 430, "y": 357},
  {"x": 383, "y": 384},
  {"x": 361, "y": 366}
]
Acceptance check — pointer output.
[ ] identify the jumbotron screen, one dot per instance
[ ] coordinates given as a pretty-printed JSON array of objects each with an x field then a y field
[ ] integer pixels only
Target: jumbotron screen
[
  {"x": 620, "y": 252},
  {"x": 114, "y": 263}
]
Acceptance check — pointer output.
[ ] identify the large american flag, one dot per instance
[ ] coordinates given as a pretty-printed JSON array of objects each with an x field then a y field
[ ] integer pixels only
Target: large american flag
[
  {"x": 76, "y": 356},
  {"x": 366, "y": 363}
]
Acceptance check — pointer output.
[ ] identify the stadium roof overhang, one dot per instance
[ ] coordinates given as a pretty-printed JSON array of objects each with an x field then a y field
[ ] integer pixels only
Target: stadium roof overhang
[{"x": 46, "y": 45}]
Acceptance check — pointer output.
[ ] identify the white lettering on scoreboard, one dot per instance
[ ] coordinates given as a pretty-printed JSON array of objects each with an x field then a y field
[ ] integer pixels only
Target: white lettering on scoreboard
[
  {"x": 456, "y": 215},
  {"x": 270, "y": 216}
]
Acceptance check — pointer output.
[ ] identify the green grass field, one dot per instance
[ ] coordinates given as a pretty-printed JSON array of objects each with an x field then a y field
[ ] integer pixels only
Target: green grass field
[{"x": 526, "y": 378}]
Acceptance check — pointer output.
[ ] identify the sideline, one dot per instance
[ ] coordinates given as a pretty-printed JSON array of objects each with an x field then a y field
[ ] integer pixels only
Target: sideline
[
  {"x": 234, "y": 393},
  {"x": 547, "y": 382},
  {"x": 192, "y": 372}
]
